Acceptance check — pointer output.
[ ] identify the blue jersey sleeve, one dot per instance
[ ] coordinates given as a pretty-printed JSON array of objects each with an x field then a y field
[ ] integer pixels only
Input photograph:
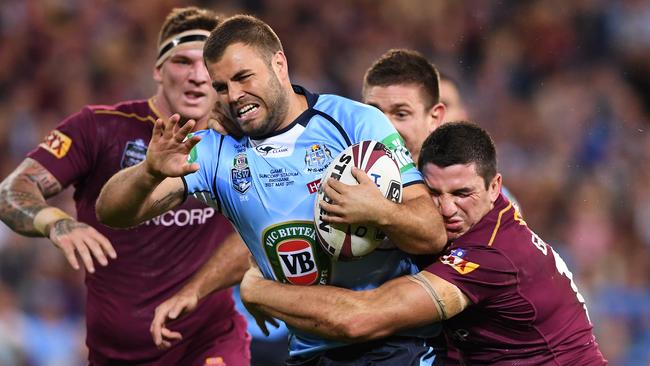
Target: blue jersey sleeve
[
  {"x": 372, "y": 124},
  {"x": 200, "y": 184}
]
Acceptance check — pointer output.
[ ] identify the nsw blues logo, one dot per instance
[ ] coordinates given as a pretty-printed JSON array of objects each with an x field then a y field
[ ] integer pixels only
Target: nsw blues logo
[
  {"x": 134, "y": 152},
  {"x": 240, "y": 174},
  {"x": 317, "y": 158}
]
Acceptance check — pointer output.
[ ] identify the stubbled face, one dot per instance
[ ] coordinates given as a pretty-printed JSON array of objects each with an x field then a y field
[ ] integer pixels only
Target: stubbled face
[
  {"x": 460, "y": 195},
  {"x": 185, "y": 85},
  {"x": 405, "y": 107},
  {"x": 450, "y": 97},
  {"x": 249, "y": 90}
]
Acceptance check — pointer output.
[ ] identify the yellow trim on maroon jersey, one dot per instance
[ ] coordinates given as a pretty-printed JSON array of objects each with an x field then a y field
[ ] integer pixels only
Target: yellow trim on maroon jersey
[
  {"x": 496, "y": 228},
  {"x": 153, "y": 108},
  {"x": 127, "y": 115},
  {"x": 519, "y": 218},
  {"x": 57, "y": 143}
]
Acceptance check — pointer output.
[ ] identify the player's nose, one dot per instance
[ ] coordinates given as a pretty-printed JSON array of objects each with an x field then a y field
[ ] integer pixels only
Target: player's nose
[
  {"x": 199, "y": 73},
  {"x": 446, "y": 206}
]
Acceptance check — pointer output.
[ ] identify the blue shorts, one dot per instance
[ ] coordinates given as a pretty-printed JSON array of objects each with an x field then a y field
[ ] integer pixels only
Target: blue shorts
[{"x": 403, "y": 351}]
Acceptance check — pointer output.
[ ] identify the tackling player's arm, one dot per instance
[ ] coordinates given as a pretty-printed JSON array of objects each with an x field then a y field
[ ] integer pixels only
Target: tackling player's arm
[
  {"x": 153, "y": 186},
  {"x": 24, "y": 209},
  {"x": 355, "y": 316},
  {"x": 415, "y": 225},
  {"x": 225, "y": 268}
]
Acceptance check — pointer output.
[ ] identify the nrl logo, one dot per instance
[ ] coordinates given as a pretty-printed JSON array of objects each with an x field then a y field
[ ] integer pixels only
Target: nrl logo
[{"x": 294, "y": 254}]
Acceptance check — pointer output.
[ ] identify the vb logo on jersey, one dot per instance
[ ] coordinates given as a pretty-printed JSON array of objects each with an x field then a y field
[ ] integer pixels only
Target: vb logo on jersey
[
  {"x": 134, "y": 152},
  {"x": 240, "y": 174},
  {"x": 294, "y": 254},
  {"x": 317, "y": 158}
]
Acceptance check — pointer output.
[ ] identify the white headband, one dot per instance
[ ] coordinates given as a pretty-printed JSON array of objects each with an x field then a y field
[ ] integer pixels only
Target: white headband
[{"x": 193, "y": 38}]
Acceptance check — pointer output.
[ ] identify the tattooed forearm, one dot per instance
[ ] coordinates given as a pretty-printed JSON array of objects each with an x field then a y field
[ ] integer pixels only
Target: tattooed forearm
[
  {"x": 22, "y": 196},
  {"x": 65, "y": 226},
  {"x": 169, "y": 201}
]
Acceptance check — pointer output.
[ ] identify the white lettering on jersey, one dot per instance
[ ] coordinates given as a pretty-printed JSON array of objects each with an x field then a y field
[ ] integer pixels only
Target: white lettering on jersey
[
  {"x": 561, "y": 267},
  {"x": 183, "y": 217}
]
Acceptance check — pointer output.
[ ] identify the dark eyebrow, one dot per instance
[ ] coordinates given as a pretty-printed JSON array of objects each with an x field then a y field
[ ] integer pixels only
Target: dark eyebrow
[
  {"x": 240, "y": 74},
  {"x": 463, "y": 190}
]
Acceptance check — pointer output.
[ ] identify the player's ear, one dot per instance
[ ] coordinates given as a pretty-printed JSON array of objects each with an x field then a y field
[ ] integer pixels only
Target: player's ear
[
  {"x": 436, "y": 116},
  {"x": 157, "y": 74},
  {"x": 279, "y": 64},
  {"x": 495, "y": 188}
]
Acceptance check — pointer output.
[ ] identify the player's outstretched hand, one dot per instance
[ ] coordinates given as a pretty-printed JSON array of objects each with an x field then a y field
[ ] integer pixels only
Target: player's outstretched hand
[
  {"x": 354, "y": 204},
  {"x": 75, "y": 238},
  {"x": 169, "y": 148},
  {"x": 174, "y": 307}
]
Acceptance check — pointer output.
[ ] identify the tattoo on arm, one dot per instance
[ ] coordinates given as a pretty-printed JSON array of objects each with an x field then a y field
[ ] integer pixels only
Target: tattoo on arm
[
  {"x": 65, "y": 226},
  {"x": 23, "y": 194},
  {"x": 169, "y": 201}
]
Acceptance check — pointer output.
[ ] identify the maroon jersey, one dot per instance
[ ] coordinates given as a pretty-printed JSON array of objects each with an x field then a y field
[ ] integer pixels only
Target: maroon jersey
[
  {"x": 155, "y": 258},
  {"x": 525, "y": 308}
]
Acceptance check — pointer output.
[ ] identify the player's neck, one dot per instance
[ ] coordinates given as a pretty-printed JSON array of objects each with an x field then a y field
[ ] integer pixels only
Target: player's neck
[
  {"x": 297, "y": 105},
  {"x": 163, "y": 111}
]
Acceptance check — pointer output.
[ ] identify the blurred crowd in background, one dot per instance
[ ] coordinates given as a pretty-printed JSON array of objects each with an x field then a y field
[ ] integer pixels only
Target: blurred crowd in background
[{"x": 563, "y": 87}]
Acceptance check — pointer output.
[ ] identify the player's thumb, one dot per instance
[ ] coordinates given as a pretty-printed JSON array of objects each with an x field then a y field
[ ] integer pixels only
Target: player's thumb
[
  {"x": 190, "y": 168},
  {"x": 360, "y": 176}
]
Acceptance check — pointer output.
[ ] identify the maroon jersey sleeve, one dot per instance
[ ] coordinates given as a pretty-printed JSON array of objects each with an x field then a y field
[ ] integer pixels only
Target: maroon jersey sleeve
[
  {"x": 68, "y": 151},
  {"x": 481, "y": 272}
]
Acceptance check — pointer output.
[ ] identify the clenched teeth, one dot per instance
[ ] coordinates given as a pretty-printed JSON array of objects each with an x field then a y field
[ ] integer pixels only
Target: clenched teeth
[{"x": 245, "y": 109}]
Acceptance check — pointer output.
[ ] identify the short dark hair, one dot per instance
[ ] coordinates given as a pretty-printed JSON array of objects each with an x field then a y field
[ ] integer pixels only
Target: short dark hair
[
  {"x": 461, "y": 143},
  {"x": 245, "y": 29},
  {"x": 180, "y": 20},
  {"x": 402, "y": 66}
]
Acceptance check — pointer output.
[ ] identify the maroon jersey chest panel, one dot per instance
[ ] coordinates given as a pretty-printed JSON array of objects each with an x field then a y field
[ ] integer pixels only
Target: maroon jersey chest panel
[
  {"x": 523, "y": 302},
  {"x": 155, "y": 258}
]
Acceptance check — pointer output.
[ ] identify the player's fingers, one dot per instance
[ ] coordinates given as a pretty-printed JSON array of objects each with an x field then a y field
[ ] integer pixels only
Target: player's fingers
[
  {"x": 337, "y": 185},
  {"x": 158, "y": 128},
  {"x": 157, "y": 323},
  {"x": 169, "y": 335},
  {"x": 192, "y": 141},
  {"x": 190, "y": 168},
  {"x": 361, "y": 176},
  {"x": 177, "y": 309},
  {"x": 262, "y": 325},
  {"x": 164, "y": 344},
  {"x": 330, "y": 209},
  {"x": 274, "y": 322},
  {"x": 96, "y": 250},
  {"x": 184, "y": 130},
  {"x": 330, "y": 192},
  {"x": 169, "y": 125},
  {"x": 68, "y": 252},
  {"x": 84, "y": 253},
  {"x": 105, "y": 244}
]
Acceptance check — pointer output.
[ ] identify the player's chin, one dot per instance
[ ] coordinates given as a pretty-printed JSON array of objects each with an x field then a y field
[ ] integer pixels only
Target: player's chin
[{"x": 196, "y": 113}]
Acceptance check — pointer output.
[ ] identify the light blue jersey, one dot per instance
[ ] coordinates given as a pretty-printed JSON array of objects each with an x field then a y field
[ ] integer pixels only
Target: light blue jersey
[{"x": 267, "y": 188}]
